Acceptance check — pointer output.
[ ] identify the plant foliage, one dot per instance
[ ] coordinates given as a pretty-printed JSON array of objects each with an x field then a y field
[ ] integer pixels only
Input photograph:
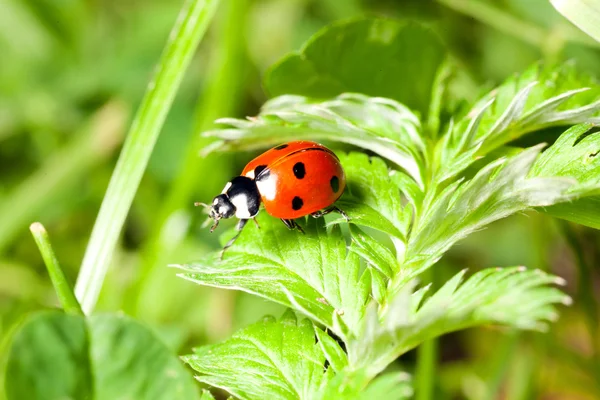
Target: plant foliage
[{"x": 430, "y": 194}]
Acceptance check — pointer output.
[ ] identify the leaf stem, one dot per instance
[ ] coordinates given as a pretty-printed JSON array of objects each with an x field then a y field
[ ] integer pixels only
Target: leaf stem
[
  {"x": 427, "y": 356},
  {"x": 191, "y": 24},
  {"x": 59, "y": 281},
  {"x": 425, "y": 369}
]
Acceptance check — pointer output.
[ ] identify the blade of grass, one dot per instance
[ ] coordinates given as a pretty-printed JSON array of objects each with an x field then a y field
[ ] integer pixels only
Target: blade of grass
[
  {"x": 191, "y": 24},
  {"x": 64, "y": 168},
  {"x": 61, "y": 285},
  {"x": 222, "y": 97}
]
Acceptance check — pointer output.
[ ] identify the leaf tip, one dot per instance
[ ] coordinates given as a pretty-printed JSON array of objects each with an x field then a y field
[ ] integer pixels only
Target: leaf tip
[
  {"x": 37, "y": 228},
  {"x": 560, "y": 281},
  {"x": 567, "y": 300}
]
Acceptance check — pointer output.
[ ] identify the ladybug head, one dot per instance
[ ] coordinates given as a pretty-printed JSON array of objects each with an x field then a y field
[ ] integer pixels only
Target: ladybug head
[
  {"x": 221, "y": 207},
  {"x": 240, "y": 197}
]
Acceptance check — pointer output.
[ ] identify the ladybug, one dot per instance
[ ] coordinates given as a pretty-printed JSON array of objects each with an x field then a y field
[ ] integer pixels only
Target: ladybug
[{"x": 292, "y": 180}]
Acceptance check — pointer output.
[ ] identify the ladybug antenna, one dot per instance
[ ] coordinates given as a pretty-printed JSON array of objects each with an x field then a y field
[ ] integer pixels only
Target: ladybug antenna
[{"x": 198, "y": 204}]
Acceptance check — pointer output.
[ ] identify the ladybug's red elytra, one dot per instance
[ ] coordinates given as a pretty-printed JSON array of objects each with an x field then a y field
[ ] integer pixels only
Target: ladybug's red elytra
[{"x": 292, "y": 180}]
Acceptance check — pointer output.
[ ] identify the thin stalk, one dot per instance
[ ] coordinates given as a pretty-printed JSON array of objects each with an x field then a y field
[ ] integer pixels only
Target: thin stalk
[
  {"x": 59, "y": 281},
  {"x": 191, "y": 24},
  {"x": 500, "y": 363},
  {"x": 427, "y": 357},
  {"x": 585, "y": 292},
  {"x": 221, "y": 98},
  {"x": 68, "y": 166}
]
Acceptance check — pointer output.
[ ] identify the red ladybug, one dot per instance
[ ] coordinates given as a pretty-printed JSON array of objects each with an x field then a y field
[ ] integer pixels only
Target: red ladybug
[{"x": 293, "y": 180}]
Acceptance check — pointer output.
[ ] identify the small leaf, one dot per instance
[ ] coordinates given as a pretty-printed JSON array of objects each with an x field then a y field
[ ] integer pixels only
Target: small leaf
[
  {"x": 49, "y": 359},
  {"x": 372, "y": 199},
  {"x": 541, "y": 97},
  {"x": 374, "y": 253},
  {"x": 310, "y": 272},
  {"x": 515, "y": 297},
  {"x": 206, "y": 395},
  {"x": 575, "y": 154},
  {"x": 585, "y": 211},
  {"x": 391, "y": 385},
  {"x": 55, "y": 355},
  {"x": 383, "y": 126},
  {"x": 332, "y": 350},
  {"x": 268, "y": 360},
  {"x": 498, "y": 190},
  {"x": 404, "y": 58}
]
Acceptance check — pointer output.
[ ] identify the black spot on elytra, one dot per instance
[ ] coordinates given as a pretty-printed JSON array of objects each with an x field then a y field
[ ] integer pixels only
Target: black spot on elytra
[
  {"x": 259, "y": 169},
  {"x": 281, "y": 147},
  {"x": 335, "y": 184},
  {"x": 297, "y": 203},
  {"x": 299, "y": 170}
]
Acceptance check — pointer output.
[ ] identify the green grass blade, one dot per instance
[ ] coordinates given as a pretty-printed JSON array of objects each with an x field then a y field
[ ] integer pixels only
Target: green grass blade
[
  {"x": 186, "y": 34},
  {"x": 585, "y": 14},
  {"x": 61, "y": 285},
  {"x": 222, "y": 96}
]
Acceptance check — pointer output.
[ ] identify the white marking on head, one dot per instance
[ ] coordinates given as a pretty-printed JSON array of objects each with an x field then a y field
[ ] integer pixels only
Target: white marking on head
[
  {"x": 226, "y": 187},
  {"x": 268, "y": 187},
  {"x": 250, "y": 174},
  {"x": 215, "y": 201},
  {"x": 240, "y": 201}
]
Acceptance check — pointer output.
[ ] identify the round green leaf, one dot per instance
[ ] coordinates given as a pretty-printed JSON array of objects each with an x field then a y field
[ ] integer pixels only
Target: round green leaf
[
  {"x": 59, "y": 356},
  {"x": 378, "y": 57}
]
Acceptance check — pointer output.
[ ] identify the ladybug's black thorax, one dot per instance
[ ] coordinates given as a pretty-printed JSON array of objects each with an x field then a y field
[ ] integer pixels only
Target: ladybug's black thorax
[{"x": 243, "y": 193}]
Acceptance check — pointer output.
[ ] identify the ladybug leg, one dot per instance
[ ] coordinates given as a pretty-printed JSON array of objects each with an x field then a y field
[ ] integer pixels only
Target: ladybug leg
[
  {"x": 326, "y": 211},
  {"x": 291, "y": 224},
  {"x": 239, "y": 227},
  {"x": 256, "y": 223}
]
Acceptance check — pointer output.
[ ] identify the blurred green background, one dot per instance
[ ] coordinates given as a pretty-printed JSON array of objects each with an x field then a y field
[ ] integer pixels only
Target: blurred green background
[{"x": 72, "y": 73}]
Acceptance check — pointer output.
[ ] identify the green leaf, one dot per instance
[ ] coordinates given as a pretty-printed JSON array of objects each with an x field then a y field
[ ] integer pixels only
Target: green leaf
[
  {"x": 371, "y": 198},
  {"x": 49, "y": 359},
  {"x": 403, "y": 59},
  {"x": 206, "y": 395},
  {"x": 498, "y": 190},
  {"x": 332, "y": 350},
  {"x": 55, "y": 355},
  {"x": 541, "y": 97},
  {"x": 312, "y": 272},
  {"x": 515, "y": 297},
  {"x": 585, "y": 211},
  {"x": 383, "y": 126},
  {"x": 377, "y": 255},
  {"x": 576, "y": 154},
  {"x": 585, "y": 14},
  {"x": 391, "y": 385},
  {"x": 272, "y": 359},
  {"x": 356, "y": 385}
]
